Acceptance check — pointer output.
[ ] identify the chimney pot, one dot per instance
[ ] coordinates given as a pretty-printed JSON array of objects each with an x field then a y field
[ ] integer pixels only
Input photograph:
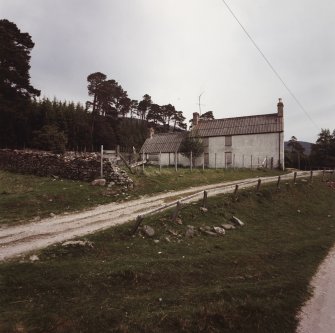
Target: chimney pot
[
  {"x": 151, "y": 132},
  {"x": 280, "y": 108},
  {"x": 195, "y": 118}
]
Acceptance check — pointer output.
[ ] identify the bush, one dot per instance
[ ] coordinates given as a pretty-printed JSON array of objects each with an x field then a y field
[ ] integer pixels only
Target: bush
[{"x": 50, "y": 138}]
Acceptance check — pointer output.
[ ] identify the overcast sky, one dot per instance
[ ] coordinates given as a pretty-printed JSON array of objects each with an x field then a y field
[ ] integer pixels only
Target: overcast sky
[{"x": 174, "y": 50}]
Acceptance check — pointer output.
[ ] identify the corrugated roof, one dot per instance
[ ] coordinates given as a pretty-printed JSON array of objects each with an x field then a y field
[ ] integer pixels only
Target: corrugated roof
[
  {"x": 163, "y": 142},
  {"x": 267, "y": 123}
]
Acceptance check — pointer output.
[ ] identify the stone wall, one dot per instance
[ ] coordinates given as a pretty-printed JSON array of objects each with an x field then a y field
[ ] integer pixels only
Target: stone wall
[{"x": 84, "y": 166}]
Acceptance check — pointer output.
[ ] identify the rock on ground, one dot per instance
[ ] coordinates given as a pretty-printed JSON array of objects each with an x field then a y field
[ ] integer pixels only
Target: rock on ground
[{"x": 148, "y": 231}]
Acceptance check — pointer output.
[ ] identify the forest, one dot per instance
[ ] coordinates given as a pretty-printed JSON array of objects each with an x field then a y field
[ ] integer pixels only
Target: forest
[{"x": 109, "y": 117}]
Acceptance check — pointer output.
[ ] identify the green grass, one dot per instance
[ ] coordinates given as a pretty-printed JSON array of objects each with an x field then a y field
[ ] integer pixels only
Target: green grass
[
  {"x": 153, "y": 180},
  {"x": 23, "y": 197},
  {"x": 253, "y": 279}
]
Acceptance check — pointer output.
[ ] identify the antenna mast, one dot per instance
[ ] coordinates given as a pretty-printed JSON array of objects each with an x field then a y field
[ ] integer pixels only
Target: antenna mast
[{"x": 200, "y": 103}]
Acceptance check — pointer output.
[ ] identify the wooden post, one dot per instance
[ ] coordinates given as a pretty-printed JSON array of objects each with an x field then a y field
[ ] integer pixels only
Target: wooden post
[
  {"x": 258, "y": 161},
  {"x": 233, "y": 161},
  {"x": 251, "y": 162},
  {"x": 258, "y": 185},
  {"x": 191, "y": 162},
  {"x": 176, "y": 161},
  {"x": 294, "y": 177},
  {"x": 175, "y": 212},
  {"x": 203, "y": 162},
  {"x": 204, "y": 201},
  {"x": 235, "y": 192},
  {"x": 101, "y": 161},
  {"x": 139, "y": 220},
  {"x": 278, "y": 183},
  {"x": 160, "y": 161},
  {"x": 143, "y": 161},
  {"x": 243, "y": 161},
  {"x": 266, "y": 162},
  {"x": 311, "y": 177},
  {"x": 215, "y": 160}
]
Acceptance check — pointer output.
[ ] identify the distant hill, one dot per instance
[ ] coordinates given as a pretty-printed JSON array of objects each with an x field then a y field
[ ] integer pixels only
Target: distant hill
[{"x": 307, "y": 146}]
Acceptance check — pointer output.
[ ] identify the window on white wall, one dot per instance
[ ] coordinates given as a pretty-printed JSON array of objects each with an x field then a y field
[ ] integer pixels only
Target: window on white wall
[
  {"x": 228, "y": 140},
  {"x": 228, "y": 159}
]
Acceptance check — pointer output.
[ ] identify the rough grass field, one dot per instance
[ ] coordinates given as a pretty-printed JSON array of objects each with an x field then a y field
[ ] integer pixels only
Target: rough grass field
[
  {"x": 23, "y": 197},
  {"x": 253, "y": 279}
]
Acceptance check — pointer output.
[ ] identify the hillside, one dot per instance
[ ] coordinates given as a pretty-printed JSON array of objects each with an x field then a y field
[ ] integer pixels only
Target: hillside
[{"x": 307, "y": 146}]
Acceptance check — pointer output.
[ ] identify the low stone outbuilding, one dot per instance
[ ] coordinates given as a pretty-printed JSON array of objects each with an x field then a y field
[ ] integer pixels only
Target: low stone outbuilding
[{"x": 164, "y": 148}]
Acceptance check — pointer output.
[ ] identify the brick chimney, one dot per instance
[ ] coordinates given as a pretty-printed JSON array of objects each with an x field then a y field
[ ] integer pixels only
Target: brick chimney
[
  {"x": 195, "y": 118},
  {"x": 280, "y": 108},
  {"x": 151, "y": 132}
]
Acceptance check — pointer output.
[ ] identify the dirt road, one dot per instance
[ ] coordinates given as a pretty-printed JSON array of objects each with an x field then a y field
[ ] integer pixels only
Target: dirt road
[
  {"x": 21, "y": 239},
  {"x": 318, "y": 315}
]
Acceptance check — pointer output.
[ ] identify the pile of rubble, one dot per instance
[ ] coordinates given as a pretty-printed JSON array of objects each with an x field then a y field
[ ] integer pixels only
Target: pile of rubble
[{"x": 83, "y": 166}]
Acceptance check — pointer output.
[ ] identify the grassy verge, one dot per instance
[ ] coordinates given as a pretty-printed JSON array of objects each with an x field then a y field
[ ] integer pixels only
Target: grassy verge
[
  {"x": 23, "y": 197},
  {"x": 153, "y": 180},
  {"x": 253, "y": 279}
]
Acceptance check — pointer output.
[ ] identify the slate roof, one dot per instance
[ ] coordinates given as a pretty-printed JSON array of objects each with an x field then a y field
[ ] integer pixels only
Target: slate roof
[
  {"x": 266, "y": 123},
  {"x": 163, "y": 142}
]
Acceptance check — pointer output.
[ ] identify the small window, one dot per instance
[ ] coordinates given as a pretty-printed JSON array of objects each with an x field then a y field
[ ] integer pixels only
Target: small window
[{"x": 228, "y": 141}]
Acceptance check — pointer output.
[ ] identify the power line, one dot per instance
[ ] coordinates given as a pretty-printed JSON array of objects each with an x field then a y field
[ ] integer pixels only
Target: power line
[{"x": 270, "y": 65}]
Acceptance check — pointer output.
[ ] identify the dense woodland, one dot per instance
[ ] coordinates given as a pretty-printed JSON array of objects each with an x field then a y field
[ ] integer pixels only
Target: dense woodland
[{"x": 110, "y": 117}]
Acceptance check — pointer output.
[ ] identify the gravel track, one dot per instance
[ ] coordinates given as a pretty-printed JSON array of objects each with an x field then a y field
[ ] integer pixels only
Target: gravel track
[{"x": 22, "y": 239}]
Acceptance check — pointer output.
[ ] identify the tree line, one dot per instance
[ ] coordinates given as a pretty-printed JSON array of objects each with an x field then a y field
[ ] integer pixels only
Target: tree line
[
  {"x": 110, "y": 118},
  {"x": 322, "y": 152}
]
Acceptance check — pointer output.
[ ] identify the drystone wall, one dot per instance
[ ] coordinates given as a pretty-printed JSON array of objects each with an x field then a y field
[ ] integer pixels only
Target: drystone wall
[{"x": 85, "y": 166}]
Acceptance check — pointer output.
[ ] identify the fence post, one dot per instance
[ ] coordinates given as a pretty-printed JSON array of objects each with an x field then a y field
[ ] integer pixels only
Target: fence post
[
  {"x": 294, "y": 177},
  {"x": 251, "y": 162},
  {"x": 101, "y": 161},
  {"x": 235, "y": 192},
  {"x": 278, "y": 183},
  {"x": 191, "y": 162},
  {"x": 203, "y": 162},
  {"x": 243, "y": 161},
  {"x": 204, "y": 201},
  {"x": 323, "y": 175},
  {"x": 311, "y": 177},
  {"x": 258, "y": 185},
  {"x": 215, "y": 160},
  {"x": 175, "y": 212},
  {"x": 160, "y": 161},
  {"x": 233, "y": 161},
  {"x": 143, "y": 161},
  {"x": 175, "y": 161},
  {"x": 139, "y": 220}
]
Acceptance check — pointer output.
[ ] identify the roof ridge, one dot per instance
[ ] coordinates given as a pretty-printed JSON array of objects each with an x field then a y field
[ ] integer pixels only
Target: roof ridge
[{"x": 240, "y": 117}]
